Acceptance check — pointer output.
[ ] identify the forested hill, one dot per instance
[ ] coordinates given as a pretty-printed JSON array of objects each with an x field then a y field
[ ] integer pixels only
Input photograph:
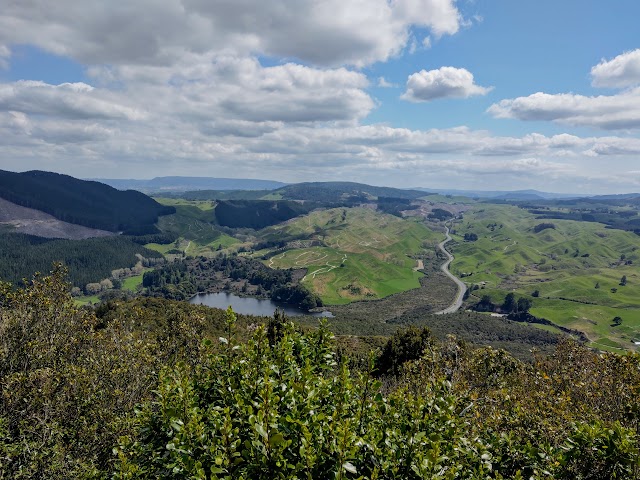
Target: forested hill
[
  {"x": 82, "y": 202},
  {"x": 341, "y": 191}
]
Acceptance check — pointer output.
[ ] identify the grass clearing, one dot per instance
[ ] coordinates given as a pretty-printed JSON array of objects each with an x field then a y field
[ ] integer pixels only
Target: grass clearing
[
  {"x": 86, "y": 300},
  {"x": 203, "y": 205},
  {"x": 134, "y": 282},
  {"x": 194, "y": 224}
]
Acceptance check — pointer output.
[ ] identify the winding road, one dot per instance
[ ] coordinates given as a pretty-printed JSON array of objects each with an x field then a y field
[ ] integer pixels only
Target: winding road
[{"x": 462, "y": 288}]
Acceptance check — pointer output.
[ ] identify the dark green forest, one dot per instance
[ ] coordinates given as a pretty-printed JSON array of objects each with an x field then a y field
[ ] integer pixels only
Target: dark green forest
[
  {"x": 259, "y": 214},
  {"x": 152, "y": 388},
  {"x": 87, "y": 203},
  {"x": 394, "y": 206},
  {"x": 340, "y": 193},
  {"x": 89, "y": 260}
]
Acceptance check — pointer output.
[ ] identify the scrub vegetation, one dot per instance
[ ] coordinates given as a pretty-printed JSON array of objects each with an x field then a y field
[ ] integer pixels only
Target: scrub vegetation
[{"x": 149, "y": 388}]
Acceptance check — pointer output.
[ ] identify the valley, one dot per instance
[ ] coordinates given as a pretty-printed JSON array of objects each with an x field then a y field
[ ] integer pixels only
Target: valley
[
  {"x": 401, "y": 285},
  {"x": 372, "y": 255}
]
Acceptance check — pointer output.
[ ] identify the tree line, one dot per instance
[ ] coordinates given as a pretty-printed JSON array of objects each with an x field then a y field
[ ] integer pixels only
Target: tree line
[
  {"x": 181, "y": 280},
  {"x": 88, "y": 261}
]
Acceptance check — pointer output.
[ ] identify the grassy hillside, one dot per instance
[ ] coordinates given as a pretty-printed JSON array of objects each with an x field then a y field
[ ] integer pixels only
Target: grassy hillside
[
  {"x": 81, "y": 202},
  {"x": 226, "y": 194},
  {"x": 194, "y": 226},
  {"x": 576, "y": 268},
  {"x": 354, "y": 253}
]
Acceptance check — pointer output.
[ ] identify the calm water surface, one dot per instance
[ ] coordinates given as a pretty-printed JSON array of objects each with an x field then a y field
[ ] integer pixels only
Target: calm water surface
[{"x": 250, "y": 306}]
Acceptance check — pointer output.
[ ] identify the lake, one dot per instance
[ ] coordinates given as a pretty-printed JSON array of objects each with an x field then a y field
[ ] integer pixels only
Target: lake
[{"x": 250, "y": 305}]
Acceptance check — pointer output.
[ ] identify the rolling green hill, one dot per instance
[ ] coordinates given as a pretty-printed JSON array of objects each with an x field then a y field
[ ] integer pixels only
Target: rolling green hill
[
  {"x": 353, "y": 253},
  {"x": 81, "y": 202},
  {"x": 575, "y": 268},
  {"x": 225, "y": 194}
]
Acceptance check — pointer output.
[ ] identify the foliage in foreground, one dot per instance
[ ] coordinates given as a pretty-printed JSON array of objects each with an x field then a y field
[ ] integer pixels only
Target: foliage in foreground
[
  {"x": 69, "y": 380},
  {"x": 282, "y": 406}
]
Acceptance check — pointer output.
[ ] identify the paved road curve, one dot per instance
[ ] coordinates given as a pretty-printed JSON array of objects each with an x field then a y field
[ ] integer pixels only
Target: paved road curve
[{"x": 462, "y": 288}]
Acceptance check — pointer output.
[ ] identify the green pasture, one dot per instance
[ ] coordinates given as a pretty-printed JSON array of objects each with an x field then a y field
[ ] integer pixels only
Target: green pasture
[
  {"x": 194, "y": 224},
  {"x": 175, "y": 202},
  {"x": 163, "y": 249},
  {"x": 132, "y": 283},
  {"x": 364, "y": 256},
  {"x": 576, "y": 268},
  {"x": 86, "y": 300}
]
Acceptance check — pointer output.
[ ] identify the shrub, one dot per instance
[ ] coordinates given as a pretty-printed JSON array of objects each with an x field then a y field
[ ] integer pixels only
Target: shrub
[{"x": 543, "y": 226}]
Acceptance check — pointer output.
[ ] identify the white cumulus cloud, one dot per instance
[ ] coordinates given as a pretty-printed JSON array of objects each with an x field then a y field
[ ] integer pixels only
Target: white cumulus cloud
[
  {"x": 67, "y": 100},
  {"x": 610, "y": 112},
  {"x": 619, "y": 72},
  {"x": 445, "y": 82},
  {"x": 329, "y": 33}
]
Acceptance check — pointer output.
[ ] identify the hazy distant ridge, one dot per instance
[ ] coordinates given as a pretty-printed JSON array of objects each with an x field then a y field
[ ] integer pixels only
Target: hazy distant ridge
[
  {"x": 184, "y": 184},
  {"x": 503, "y": 194}
]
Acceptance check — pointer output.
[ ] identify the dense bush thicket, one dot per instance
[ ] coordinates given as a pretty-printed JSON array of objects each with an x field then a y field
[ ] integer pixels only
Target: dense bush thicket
[
  {"x": 68, "y": 379},
  {"x": 286, "y": 408},
  {"x": 395, "y": 206},
  {"x": 163, "y": 238},
  {"x": 91, "y": 204},
  {"x": 543, "y": 226},
  {"x": 89, "y": 260},
  {"x": 132, "y": 391},
  {"x": 440, "y": 214}
]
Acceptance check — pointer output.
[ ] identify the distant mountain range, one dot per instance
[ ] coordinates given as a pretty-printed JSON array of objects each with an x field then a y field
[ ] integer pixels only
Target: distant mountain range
[
  {"x": 185, "y": 184},
  {"x": 176, "y": 184},
  {"x": 503, "y": 194},
  {"x": 621, "y": 196}
]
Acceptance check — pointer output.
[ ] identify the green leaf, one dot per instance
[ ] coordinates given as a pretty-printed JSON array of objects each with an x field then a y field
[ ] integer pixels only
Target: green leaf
[
  {"x": 348, "y": 466},
  {"x": 277, "y": 439},
  {"x": 260, "y": 429}
]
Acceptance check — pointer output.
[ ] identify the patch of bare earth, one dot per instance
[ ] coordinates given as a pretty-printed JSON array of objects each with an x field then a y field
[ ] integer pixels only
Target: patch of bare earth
[{"x": 34, "y": 222}]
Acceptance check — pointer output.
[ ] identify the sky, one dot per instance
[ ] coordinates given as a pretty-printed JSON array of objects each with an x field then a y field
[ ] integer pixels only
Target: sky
[{"x": 467, "y": 94}]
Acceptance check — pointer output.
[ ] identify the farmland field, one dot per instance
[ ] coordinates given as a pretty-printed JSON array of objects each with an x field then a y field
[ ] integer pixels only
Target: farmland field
[
  {"x": 360, "y": 253},
  {"x": 576, "y": 268}
]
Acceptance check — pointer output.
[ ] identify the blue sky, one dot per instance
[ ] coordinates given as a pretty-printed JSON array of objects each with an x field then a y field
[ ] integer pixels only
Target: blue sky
[{"x": 485, "y": 94}]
